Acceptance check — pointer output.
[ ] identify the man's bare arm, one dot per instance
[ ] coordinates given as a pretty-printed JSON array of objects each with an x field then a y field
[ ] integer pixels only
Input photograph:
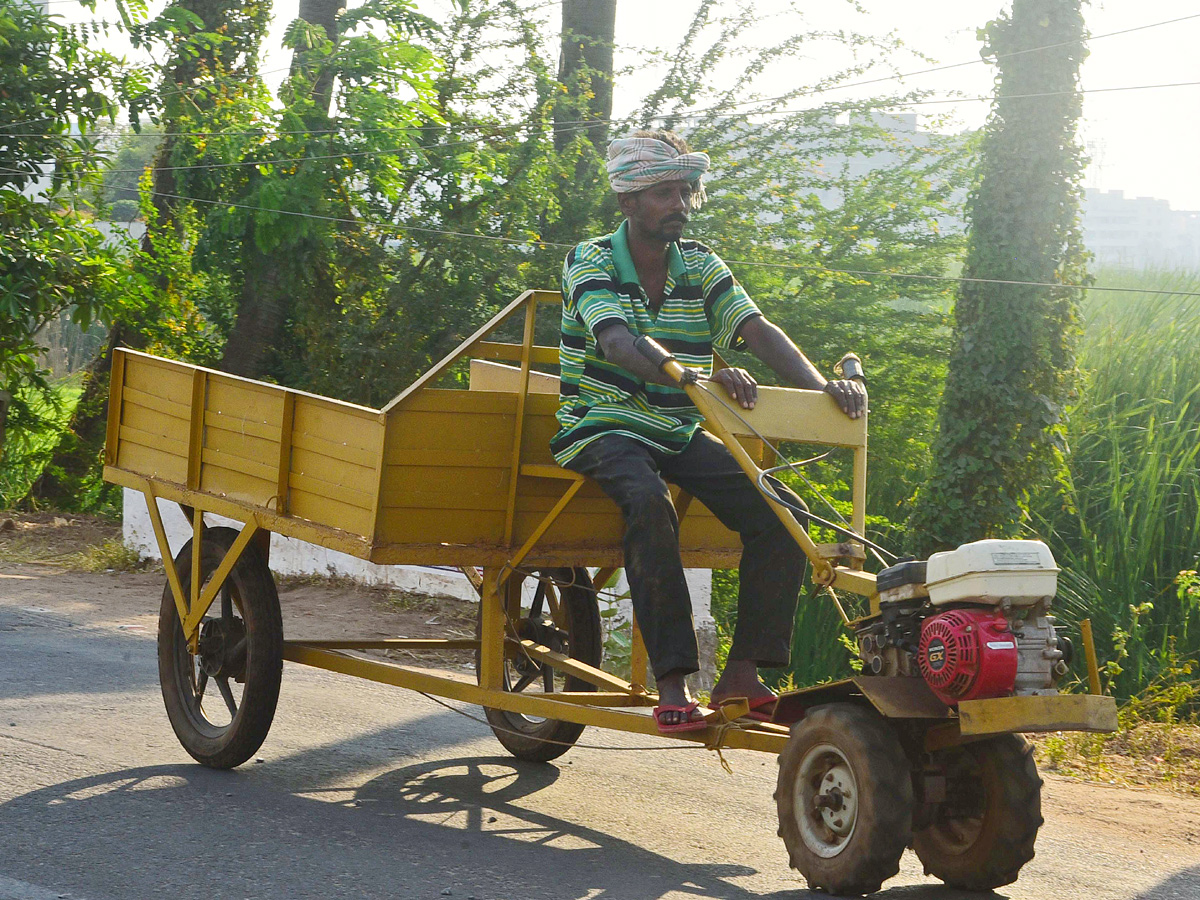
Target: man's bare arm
[
  {"x": 770, "y": 344},
  {"x": 616, "y": 341}
]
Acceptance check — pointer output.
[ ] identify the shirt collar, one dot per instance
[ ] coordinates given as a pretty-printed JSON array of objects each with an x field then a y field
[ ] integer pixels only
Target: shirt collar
[{"x": 627, "y": 272}]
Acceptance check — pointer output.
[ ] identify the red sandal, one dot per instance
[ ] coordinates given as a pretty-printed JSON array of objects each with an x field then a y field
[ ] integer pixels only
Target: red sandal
[{"x": 688, "y": 724}]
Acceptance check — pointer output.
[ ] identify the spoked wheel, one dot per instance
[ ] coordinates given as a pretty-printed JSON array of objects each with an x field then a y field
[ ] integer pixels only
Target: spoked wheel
[
  {"x": 844, "y": 799},
  {"x": 222, "y": 699},
  {"x": 564, "y": 616},
  {"x": 981, "y": 835}
]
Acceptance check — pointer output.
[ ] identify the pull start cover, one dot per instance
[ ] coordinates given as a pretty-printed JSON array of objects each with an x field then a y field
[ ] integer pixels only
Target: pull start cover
[{"x": 968, "y": 654}]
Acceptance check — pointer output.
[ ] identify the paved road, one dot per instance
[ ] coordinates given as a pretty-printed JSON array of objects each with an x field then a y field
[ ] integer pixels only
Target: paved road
[{"x": 364, "y": 791}]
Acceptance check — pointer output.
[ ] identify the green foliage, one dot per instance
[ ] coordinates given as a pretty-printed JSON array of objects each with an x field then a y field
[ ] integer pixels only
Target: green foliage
[
  {"x": 111, "y": 556},
  {"x": 124, "y": 171},
  {"x": 796, "y": 194},
  {"x": 1012, "y": 371},
  {"x": 819, "y": 652},
  {"x": 473, "y": 155},
  {"x": 54, "y": 92},
  {"x": 50, "y": 264},
  {"x": 1156, "y": 732},
  {"x": 52, "y": 95},
  {"x": 618, "y": 632},
  {"x": 53, "y": 266},
  {"x": 1126, "y": 525},
  {"x": 37, "y": 418}
]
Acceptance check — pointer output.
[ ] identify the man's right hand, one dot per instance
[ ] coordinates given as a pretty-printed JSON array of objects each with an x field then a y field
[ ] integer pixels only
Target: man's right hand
[
  {"x": 739, "y": 383},
  {"x": 850, "y": 396}
]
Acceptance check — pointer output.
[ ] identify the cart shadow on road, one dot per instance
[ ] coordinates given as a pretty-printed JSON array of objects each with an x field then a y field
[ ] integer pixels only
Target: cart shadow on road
[
  {"x": 1180, "y": 886},
  {"x": 459, "y": 824}
]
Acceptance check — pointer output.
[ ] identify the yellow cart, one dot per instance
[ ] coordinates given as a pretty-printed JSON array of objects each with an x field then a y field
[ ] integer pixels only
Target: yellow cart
[{"x": 464, "y": 477}]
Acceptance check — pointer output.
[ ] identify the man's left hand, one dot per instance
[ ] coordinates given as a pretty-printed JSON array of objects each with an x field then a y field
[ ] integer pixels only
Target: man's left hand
[
  {"x": 741, "y": 385},
  {"x": 850, "y": 396}
]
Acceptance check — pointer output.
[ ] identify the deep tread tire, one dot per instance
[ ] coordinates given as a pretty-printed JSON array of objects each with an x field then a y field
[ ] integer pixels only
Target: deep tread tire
[
  {"x": 547, "y": 739},
  {"x": 257, "y": 602},
  {"x": 991, "y": 851},
  {"x": 882, "y": 829}
]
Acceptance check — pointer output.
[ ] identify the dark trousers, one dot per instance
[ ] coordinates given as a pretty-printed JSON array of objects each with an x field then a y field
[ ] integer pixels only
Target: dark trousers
[{"x": 635, "y": 477}]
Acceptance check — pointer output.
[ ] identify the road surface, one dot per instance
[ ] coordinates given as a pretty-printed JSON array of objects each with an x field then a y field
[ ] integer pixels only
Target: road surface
[{"x": 366, "y": 791}]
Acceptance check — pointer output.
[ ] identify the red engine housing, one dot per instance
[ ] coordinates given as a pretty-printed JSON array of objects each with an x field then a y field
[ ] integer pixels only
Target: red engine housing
[{"x": 968, "y": 654}]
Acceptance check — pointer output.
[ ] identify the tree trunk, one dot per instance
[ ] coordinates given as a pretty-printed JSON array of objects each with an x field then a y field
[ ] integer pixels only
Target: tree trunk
[
  {"x": 324, "y": 13},
  {"x": 265, "y": 304},
  {"x": 5, "y": 400},
  {"x": 586, "y": 68},
  {"x": 262, "y": 311}
]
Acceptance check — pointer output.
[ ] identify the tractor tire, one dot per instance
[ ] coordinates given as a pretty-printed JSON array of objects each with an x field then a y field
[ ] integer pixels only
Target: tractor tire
[
  {"x": 983, "y": 833},
  {"x": 577, "y": 628},
  {"x": 845, "y": 799},
  {"x": 242, "y": 647}
]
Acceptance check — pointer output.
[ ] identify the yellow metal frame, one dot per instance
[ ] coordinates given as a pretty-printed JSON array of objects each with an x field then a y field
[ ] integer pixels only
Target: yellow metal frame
[{"x": 342, "y": 476}]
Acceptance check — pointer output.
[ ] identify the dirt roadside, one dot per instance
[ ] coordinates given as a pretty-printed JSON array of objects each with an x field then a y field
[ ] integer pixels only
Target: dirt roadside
[{"x": 75, "y": 565}]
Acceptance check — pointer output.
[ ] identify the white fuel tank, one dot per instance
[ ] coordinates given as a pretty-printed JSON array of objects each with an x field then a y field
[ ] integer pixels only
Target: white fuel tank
[{"x": 1021, "y": 572}]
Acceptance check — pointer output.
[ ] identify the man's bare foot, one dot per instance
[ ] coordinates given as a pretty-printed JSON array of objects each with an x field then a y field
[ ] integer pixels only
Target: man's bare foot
[
  {"x": 672, "y": 691},
  {"x": 740, "y": 679}
]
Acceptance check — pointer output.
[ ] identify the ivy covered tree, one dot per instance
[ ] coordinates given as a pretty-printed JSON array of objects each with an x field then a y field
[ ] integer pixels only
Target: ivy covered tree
[{"x": 1012, "y": 370}]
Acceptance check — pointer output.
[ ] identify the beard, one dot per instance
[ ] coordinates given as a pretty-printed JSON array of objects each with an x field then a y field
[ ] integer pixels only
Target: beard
[{"x": 671, "y": 228}]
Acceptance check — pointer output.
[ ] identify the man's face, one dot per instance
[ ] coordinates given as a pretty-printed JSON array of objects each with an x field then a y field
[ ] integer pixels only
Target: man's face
[{"x": 659, "y": 212}]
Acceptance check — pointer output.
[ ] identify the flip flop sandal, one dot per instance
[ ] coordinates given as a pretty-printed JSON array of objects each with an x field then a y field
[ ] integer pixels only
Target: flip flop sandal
[{"x": 688, "y": 724}]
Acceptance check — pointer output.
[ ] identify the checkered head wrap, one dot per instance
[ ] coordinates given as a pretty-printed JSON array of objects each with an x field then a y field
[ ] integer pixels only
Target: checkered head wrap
[{"x": 637, "y": 163}]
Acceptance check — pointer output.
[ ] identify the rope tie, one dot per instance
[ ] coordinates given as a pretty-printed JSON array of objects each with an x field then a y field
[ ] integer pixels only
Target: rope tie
[{"x": 717, "y": 740}]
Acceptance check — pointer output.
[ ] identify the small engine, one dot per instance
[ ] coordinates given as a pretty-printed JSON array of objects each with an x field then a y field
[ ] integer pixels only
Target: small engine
[
  {"x": 974, "y": 622},
  {"x": 966, "y": 654}
]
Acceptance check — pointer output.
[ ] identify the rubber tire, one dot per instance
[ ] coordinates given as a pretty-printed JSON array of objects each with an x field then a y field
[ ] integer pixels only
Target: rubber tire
[
  {"x": 551, "y": 738},
  {"x": 883, "y": 827},
  {"x": 1011, "y": 818},
  {"x": 232, "y": 745}
]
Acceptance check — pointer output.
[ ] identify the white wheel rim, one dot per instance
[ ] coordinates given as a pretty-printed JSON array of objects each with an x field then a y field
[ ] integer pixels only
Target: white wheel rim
[{"x": 825, "y": 800}]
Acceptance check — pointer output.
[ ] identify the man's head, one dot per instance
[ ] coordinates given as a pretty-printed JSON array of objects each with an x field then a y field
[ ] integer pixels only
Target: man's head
[{"x": 658, "y": 181}]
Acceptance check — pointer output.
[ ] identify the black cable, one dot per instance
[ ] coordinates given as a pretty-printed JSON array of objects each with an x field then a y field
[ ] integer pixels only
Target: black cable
[
  {"x": 695, "y": 112},
  {"x": 813, "y": 517},
  {"x": 541, "y": 245},
  {"x": 510, "y": 131}
]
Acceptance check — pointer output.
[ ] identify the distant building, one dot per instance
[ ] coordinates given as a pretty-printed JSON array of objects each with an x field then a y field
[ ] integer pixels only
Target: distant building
[
  {"x": 1139, "y": 232},
  {"x": 900, "y": 136}
]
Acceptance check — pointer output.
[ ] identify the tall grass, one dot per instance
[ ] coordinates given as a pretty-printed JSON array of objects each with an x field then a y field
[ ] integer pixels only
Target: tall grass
[{"x": 1128, "y": 518}]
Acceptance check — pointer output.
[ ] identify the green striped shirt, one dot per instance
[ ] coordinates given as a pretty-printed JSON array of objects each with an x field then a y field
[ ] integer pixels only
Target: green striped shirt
[{"x": 703, "y": 307}]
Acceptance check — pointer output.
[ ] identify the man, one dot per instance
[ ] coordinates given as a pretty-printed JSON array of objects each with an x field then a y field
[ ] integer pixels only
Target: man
[{"x": 628, "y": 427}]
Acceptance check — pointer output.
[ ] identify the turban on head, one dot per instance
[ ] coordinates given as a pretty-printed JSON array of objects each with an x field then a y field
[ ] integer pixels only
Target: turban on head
[{"x": 637, "y": 163}]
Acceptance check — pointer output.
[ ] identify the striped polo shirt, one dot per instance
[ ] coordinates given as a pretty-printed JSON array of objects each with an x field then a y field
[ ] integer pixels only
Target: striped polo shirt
[{"x": 703, "y": 307}]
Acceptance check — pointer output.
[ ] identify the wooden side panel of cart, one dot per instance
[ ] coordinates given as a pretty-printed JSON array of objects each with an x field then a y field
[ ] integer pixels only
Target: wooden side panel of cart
[{"x": 304, "y": 466}]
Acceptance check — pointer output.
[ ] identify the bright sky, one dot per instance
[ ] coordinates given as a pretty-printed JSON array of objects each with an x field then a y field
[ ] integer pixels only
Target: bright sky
[{"x": 1144, "y": 142}]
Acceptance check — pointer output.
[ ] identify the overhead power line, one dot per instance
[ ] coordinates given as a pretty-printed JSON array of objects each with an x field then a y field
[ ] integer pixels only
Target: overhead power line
[
  {"x": 696, "y": 112},
  {"x": 583, "y": 126},
  {"x": 540, "y": 245},
  {"x": 942, "y": 68}
]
